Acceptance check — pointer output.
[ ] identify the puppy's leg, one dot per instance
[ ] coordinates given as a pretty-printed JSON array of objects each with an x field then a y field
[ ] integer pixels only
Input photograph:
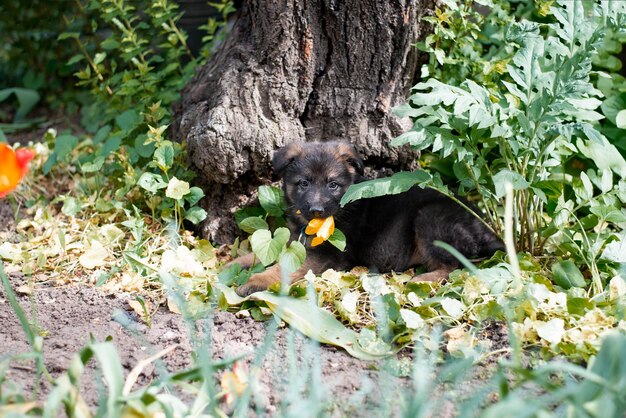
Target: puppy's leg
[
  {"x": 437, "y": 261},
  {"x": 261, "y": 281},
  {"x": 245, "y": 261},
  {"x": 436, "y": 276}
]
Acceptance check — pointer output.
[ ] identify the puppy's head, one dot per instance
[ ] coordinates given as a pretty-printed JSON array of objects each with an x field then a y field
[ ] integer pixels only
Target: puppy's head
[{"x": 316, "y": 175}]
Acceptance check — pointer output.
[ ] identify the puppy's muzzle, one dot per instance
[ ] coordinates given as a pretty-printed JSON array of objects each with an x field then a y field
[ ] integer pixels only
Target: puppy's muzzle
[{"x": 316, "y": 211}]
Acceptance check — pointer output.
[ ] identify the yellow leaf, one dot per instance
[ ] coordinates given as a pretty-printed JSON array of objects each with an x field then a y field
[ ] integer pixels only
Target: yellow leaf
[
  {"x": 94, "y": 257},
  {"x": 172, "y": 306}
]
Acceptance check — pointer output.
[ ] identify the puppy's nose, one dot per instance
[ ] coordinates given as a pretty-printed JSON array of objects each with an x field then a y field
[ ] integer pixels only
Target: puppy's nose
[{"x": 317, "y": 211}]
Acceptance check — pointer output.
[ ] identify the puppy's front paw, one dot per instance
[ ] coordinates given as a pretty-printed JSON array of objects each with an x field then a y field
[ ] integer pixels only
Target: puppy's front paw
[
  {"x": 436, "y": 276},
  {"x": 245, "y": 261},
  {"x": 260, "y": 281},
  {"x": 250, "y": 288}
]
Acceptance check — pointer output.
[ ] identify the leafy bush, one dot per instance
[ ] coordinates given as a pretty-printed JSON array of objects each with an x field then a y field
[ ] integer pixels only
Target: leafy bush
[
  {"x": 532, "y": 123},
  {"x": 134, "y": 74},
  {"x": 30, "y": 56}
]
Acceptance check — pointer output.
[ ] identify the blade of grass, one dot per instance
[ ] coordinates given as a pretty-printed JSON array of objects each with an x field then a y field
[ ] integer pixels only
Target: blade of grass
[{"x": 19, "y": 312}]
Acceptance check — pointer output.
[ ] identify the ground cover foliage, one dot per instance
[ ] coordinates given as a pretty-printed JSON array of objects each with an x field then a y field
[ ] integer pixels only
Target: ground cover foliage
[{"x": 520, "y": 103}]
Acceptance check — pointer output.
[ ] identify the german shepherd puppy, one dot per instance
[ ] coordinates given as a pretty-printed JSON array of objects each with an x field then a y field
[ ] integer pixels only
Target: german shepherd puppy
[{"x": 387, "y": 233}]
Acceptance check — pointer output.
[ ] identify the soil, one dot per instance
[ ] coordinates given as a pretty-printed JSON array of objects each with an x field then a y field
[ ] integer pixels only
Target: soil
[{"x": 69, "y": 316}]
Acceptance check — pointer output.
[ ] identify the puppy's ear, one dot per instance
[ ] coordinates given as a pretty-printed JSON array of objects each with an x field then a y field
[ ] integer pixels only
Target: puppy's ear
[
  {"x": 285, "y": 156},
  {"x": 348, "y": 154}
]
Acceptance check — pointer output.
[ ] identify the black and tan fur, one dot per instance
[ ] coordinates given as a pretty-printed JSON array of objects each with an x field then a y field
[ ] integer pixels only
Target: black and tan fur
[{"x": 388, "y": 233}]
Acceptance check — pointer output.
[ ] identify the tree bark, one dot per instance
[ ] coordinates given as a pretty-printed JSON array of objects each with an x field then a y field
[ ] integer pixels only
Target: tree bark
[{"x": 300, "y": 70}]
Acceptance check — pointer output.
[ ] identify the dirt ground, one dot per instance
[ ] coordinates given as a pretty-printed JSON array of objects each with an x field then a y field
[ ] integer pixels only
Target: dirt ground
[{"x": 70, "y": 315}]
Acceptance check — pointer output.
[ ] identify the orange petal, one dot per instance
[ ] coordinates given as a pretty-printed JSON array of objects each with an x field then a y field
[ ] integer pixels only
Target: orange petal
[
  {"x": 316, "y": 241},
  {"x": 9, "y": 170},
  {"x": 313, "y": 226},
  {"x": 327, "y": 228}
]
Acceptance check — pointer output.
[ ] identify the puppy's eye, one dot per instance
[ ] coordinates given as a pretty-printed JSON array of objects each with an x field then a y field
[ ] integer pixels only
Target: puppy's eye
[
  {"x": 304, "y": 184},
  {"x": 333, "y": 185}
]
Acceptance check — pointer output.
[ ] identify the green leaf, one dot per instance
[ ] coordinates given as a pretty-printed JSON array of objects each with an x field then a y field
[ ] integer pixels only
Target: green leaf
[
  {"x": 398, "y": 183},
  {"x": 76, "y": 58},
  {"x": 338, "y": 239},
  {"x": 128, "y": 120},
  {"x": 292, "y": 257},
  {"x": 151, "y": 182},
  {"x": 608, "y": 213},
  {"x": 27, "y": 99},
  {"x": 113, "y": 374},
  {"x": 253, "y": 223},
  {"x": 612, "y": 106},
  {"x": 620, "y": 119},
  {"x": 235, "y": 275},
  {"x": 610, "y": 366},
  {"x": 16, "y": 307},
  {"x": 566, "y": 274},
  {"x": 66, "y": 35},
  {"x": 110, "y": 44},
  {"x": 195, "y": 215},
  {"x": 144, "y": 150},
  {"x": 604, "y": 154},
  {"x": 50, "y": 162},
  {"x": 579, "y": 306},
  {"x": 164, "y": 155},
  {"x": 99, "y": 57},
  {"x": 111, "y": 144},
  {"x": 93, "y": 166},
  {"x": 64, "y": 144},
  {"x": 616, "y": 251},
  {"x": 194, "y": 196},
  {"x": 102, "y": 134},
  {"x": 272, "y": 199},
  {"x": 267, "y": 248},
  {"x": 71, "y": 206},
  {"x": 310, "y": 320},
  {"x": 247, "y": 212},
  {"x": 503, "y": 176}
]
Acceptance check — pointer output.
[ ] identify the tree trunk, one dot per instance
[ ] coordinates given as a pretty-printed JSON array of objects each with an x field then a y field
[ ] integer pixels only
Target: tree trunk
[{"x": 302, "y": 70}]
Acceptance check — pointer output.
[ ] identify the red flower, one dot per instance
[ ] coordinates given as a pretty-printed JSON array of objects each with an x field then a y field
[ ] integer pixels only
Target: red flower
[{"x": 13, "y": 167}]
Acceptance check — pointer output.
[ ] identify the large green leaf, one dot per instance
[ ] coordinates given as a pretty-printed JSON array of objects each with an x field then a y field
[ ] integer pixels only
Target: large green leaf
[
  {"x": 272, "y": 199},
  {"x": 507, "y": 176},
  {"x": 309, "y": 319},
  {"x": 620, "y": 119},
  {"x": 267, "y": 248},
  {"x": 338, "y": 239},
  {"x": 567, "y": 275},
  {"x": 252, "y": 224},
  {"x": 605, "y": 395},
  {"x": 292, "y": 257},
  {"x": 195, "y": 215},
  {"x": 604, "y": 154},
  {"x": 128, "y": 120},
  {"x": 398, "y": 183},
  {"x": 27, "y": 99},
  {"x": 151, "y": 182},
  {"x": 64, "y": 144}
]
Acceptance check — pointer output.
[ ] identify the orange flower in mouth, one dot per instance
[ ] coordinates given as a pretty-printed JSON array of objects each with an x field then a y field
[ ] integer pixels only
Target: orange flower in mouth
[
  {"x": 321, "y": 228},
  {"x": 13, "y": 167}
]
